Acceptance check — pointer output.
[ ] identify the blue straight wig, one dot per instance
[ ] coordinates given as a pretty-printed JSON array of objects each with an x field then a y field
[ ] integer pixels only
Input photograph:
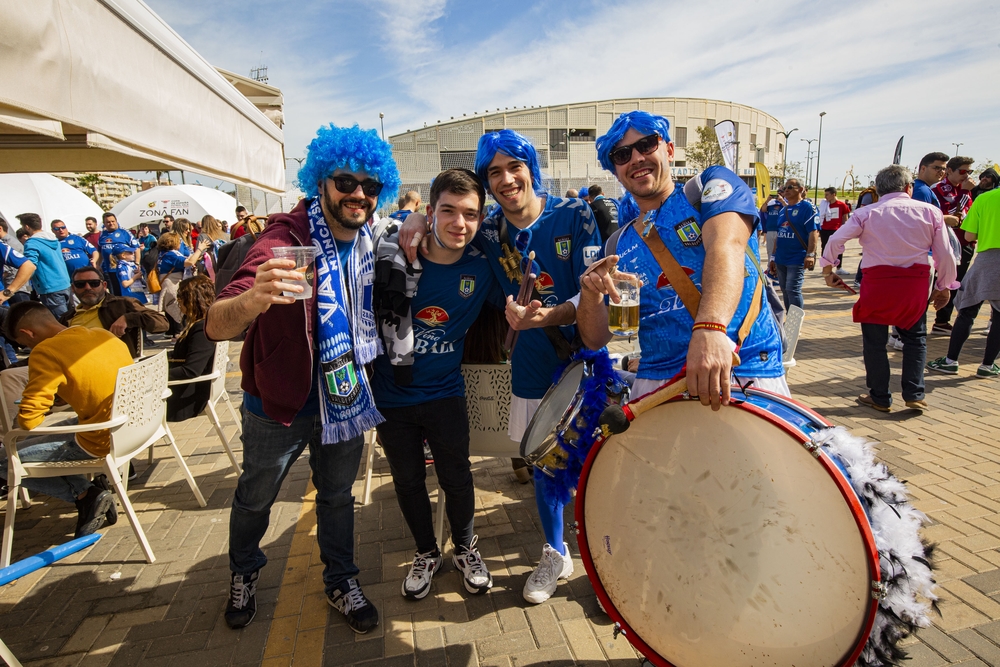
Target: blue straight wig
[
  {"x": 642, "y": 121},
  {"x": 354, "y": 149},
  {"x": 509, "y": 143}
]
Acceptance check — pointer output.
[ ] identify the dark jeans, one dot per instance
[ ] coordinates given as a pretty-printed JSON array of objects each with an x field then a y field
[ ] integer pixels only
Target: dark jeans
[
  {"x": 963, "y": 327},
  {"x": 874, "y": 338},
  {"x": 57, "y": 302},
  {"x": 445, "y": 425},
  {"x": 269, "y": 450},
  {"x": 790, "y": 281},
  {"x": 824, "y": 236},
  {"x": 944, "y": 315}
]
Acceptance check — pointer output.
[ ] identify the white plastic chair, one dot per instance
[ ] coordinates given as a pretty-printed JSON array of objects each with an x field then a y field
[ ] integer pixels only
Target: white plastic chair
[
  {"x": 136, "y": 424},
  {"x": 6, "y": 424},
  {"x": 218, "y": 393},
  {"x": 793, "y": 325}
]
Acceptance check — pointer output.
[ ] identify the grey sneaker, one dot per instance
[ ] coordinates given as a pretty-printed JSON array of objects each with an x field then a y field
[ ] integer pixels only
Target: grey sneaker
[
  {"x": 475, "y": 575},
  {"x": 988, "y": 371},
  {"x": 941, "y": 365}
]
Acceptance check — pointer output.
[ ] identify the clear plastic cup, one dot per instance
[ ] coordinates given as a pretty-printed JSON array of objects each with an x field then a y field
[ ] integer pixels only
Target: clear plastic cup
[
  {"x": 304, "y": 258},
  {"x": 623, "y": 317}
]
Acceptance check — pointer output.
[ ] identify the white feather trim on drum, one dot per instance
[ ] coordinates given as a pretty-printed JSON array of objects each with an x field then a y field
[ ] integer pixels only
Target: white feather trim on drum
[{"x": 905, "y": 560}]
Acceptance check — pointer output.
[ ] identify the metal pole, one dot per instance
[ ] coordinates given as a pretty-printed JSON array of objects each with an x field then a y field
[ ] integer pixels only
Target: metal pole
[
  {"x": 956, "y": 145},
  {"x": 784, "y": 159},
  {"x": 382, "y": 124},
  {"x": 819, "y": 148},
  {"x": 809, "y": 154}
]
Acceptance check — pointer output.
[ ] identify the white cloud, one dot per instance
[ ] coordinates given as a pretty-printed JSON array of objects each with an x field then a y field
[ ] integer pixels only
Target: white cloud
[{"x": 409, "y": 31}]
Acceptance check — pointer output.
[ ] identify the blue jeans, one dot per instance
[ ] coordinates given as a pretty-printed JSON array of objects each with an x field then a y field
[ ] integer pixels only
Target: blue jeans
[
  {"x": 52, "y": 448},
  {"x": 269, "y": 450},
  {"x": 873, "y": 339},
  {"x": 790, "y": 279},
  {"x": 57, "y": 302}
]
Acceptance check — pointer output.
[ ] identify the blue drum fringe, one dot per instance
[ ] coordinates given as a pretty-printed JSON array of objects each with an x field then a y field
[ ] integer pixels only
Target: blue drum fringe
[
  {"x": 904, "y": 558},
  {"x": 594, "y": 401}
]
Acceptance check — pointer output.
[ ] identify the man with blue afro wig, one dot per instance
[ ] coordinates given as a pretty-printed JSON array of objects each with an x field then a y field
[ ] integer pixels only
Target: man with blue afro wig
[{"x": 699, "y": 237}]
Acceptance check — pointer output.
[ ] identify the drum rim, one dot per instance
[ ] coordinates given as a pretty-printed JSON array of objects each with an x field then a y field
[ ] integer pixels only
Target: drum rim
[
  {"x": 860, "y": 518},
  {"x": 548, "y": 392}
]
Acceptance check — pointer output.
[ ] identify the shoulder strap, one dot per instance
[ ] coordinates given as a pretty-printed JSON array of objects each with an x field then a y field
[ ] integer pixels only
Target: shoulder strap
[{"x": 795, "y": 231}]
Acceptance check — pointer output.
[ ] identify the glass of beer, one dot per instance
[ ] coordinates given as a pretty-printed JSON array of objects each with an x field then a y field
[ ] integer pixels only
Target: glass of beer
[
  {"x": 623, "y": 317},
  {"x": 304, "y": 257}
]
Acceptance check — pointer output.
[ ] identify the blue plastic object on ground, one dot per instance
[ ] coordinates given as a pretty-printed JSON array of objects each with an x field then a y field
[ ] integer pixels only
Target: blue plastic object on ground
[{"x": 38, "y": 561}]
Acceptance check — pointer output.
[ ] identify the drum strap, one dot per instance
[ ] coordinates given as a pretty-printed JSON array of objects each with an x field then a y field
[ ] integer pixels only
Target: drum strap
[{"x": 688, "y": 291}]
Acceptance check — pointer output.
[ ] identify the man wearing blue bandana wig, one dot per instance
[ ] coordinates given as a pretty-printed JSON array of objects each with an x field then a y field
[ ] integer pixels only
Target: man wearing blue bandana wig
[
  {"x": 303, "y": 378},
  {"x": 563, "y": 234},
  {"x": 708, "y": 227}
]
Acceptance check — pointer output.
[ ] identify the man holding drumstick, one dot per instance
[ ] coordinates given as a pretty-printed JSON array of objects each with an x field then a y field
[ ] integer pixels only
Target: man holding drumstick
[{"x": 707, "y": 230}]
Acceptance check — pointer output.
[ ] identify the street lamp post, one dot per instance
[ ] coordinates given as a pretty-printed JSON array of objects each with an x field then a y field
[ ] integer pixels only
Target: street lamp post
[
  {"x": 784, "y": 158},
  {"x": 809, "y": 154},
  {"x": 956, "y": 145},
  {"x": 382, "y": 124},
  {"x": 819, "y": 147}
]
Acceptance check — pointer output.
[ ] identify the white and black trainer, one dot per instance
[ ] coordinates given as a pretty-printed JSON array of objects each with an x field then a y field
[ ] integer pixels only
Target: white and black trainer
[
  {"x": 475, "y": 575},
  {"x": 242, "y": 605},
  {"x": 417, "y": 584}
]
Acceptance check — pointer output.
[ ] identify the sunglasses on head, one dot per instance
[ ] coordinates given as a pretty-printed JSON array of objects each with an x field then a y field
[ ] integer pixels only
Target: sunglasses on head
[
  {"x": 623, "y": 154},
  {"x": 348, "y": 184},
  {"x": 80, "y": 284}
]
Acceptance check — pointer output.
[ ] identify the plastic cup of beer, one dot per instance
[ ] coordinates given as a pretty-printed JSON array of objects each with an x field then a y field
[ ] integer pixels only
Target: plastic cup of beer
[
  {"x": 623, "y": 317},
  {"x": 304, "y": 258}
]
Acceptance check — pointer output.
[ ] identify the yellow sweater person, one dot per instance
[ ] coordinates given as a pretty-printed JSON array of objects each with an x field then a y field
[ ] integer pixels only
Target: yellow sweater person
[{"x": 81, "y": 366}]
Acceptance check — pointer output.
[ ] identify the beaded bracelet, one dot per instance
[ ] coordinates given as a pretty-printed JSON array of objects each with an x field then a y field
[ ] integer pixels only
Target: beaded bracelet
[{"x": 713, "y": 326}]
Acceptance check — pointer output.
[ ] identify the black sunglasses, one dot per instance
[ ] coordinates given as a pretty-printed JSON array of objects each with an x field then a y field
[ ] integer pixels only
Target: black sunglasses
[
  {"x": 623, "y": 154},
  {"x": 80, "y": 284},
  {"x": 348, "y": 184}
]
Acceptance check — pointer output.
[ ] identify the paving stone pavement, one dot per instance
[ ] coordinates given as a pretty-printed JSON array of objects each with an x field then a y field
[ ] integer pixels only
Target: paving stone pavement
[{"x": 106, "y": 606}]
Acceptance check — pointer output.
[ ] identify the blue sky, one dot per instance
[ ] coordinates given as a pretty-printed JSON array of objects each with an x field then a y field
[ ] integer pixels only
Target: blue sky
[{"x": 924, "y": 69}]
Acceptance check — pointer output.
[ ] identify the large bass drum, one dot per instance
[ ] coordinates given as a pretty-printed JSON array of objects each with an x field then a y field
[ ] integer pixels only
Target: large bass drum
[{"x": 729, "y": 538}]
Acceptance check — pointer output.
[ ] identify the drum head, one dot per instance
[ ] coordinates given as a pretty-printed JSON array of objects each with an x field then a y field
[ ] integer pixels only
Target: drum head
[
  {"x": 555, "y": 403},
  {"x": 720, "y": 540}
]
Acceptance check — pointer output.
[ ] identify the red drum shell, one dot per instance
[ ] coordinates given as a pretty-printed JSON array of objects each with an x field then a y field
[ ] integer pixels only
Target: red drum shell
[{"x": 766, "y": 560}]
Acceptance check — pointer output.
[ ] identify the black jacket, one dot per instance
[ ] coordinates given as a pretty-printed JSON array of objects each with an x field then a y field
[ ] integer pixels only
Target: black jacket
[
  {"x": 193, "y": 355},
  {"x": 603, "y": 217}
]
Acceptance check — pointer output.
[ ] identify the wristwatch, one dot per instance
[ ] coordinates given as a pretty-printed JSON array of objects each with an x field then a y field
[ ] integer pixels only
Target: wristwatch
[
  {"x": 7, "y": 293},
  {"x": 811, "y": 254}
]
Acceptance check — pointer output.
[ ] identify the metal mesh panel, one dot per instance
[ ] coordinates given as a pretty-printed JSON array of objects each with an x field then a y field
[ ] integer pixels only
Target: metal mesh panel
[
  {"x": 458, "y": 160},
  {"x": 531, "y": 119},
  {"x": 461, "y": 137},
  {"x": 494, "y": 122},
  {"x": 557, "y": 118},
  {"x": 539, "y": 138},
  {"x": 585, "y": 117},
  {"x": 623, "y": 107},
  {"x": 429, "y": 134},
  {"x": 403, "y": 143}
]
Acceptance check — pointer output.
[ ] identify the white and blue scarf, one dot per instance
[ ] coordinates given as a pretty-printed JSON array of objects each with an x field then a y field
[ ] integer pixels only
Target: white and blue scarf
[{"x": 346, "y": 334}]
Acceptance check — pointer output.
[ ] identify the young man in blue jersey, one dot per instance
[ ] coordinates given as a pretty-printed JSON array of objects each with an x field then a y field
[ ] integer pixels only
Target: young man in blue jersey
[
  {"x": 797, "y": 243},
  {"x": 418, "y": 384},
  {"x": 112, "y": 240},
  {"x": 563, "y": 234},
  {"x": 709, "y": 228},
  {"x": 76, "y": 250}
]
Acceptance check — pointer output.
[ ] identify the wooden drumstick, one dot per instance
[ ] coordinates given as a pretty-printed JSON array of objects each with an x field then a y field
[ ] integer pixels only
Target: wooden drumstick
[{"x": 523, "y": 299}]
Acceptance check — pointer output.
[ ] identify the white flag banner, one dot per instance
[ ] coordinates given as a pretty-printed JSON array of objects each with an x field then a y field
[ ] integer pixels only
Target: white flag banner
[{"x": 726, "y": 132}]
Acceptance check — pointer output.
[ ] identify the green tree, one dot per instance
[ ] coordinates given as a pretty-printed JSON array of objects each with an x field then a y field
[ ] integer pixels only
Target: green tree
[
  {"x": 91, "y": 181},
  {"x": 705, "y": 152},
  {"x": 789, "y": 169}
]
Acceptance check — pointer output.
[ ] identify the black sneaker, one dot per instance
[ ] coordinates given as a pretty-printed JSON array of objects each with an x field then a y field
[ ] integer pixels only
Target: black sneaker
[
  {"x": 101, "y": 482},
  {"x": 350, "y": 601},
  {"x": 92, "y": 511},
  {"x": 132, "y": 474},
  {"x": 242, "y": 605}
]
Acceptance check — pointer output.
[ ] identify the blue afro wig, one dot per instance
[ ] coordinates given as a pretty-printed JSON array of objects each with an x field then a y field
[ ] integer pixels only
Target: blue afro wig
[
  {"x": 510, "y": 143},
  {"x": 349, "y": 148},
  {"x": 643, "y": 122},
  {"x": 584, "y": 192}
]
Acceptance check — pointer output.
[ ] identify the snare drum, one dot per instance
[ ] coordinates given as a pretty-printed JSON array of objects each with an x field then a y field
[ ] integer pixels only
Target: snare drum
[
  {"x": 728, "y": 538},
  {"x": 565, "y": 417}
]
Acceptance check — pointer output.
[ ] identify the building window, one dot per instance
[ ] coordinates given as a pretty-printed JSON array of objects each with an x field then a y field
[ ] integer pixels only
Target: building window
[
  {"x": 710, "y": 122},
  {"x": 681, "y": 137},
  {"x": 767, "y": 140},
  {"x": 781, "y": 147},
  {"x": 753, "y": 140},
  {"x": 680, "y": 163}
]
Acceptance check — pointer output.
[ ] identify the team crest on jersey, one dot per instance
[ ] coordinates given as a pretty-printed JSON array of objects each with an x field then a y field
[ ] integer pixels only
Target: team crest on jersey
[
  {"x": 432, "y": 316},
  {"x": 689, "y": 232},
  {"x": 716, "y": 189},
  {"x": 795, "y": 212},
  {"x": 466, "y": 286},
  {"x": 563, "y": 246},
  {"x": 590, "y": 254},
  {"x": 663, "y": 281},
  {"x": 342, "y": 379}
]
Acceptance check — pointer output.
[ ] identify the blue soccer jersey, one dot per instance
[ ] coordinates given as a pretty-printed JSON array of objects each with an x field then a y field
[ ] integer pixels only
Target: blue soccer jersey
[
  {"x": 76, "y": 252},
  {"x": 170, "y": 262},
  {"x": 664, "y": 322},
  {"x": 127, "y": 271},
  {"x": 448, "y": 300},
  {"x": 789, "y": 249},
  {"x": 565, "y": 241},
  {"x": 772, "y": 210},
  {"x": 112, "y": 242}
]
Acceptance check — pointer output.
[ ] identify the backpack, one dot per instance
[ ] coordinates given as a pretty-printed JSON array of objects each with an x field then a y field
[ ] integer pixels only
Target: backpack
[{"x": 230, "y": 257}]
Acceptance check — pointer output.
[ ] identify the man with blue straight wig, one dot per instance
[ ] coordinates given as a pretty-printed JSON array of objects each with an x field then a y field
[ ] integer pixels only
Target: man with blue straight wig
[
  {"x": 707, "y": 227},
  {"x": 563, "y": 235},
  {"x": 303, "y": 378}
]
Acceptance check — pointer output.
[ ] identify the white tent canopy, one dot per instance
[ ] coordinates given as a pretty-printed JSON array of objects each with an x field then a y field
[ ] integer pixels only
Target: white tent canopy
[
  {"x": 106, "y": 85},
  {"x": 181, "y": 201},
  {"x": 49, "y": 197}
]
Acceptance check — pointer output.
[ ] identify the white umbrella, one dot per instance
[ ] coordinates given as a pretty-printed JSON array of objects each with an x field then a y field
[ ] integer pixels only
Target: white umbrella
[
  {"x": 49, "y": 197},
  {"x": 181, "y": 201}
]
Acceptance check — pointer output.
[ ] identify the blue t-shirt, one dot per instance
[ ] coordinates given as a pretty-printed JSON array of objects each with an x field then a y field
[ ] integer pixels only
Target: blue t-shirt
[
  {"x": 126, "y": 271},
  {"x": 773, "y": 210},
  {"x": 167, "y": 262},
  {"x": 448, "y": 300},
  {"x": 10, "y": 256},
  {"x": 789, "y": 250},
  {"x": 566, "y": 241},
  {"x": 922, "y": 192},
  {"x": 76, "y": 251},
  {"x": 664, "y": 322},
  {"x": 112, "y": 242}
]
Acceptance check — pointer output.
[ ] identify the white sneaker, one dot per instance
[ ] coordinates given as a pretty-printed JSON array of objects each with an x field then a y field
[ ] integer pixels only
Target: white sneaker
[
  {"x": 895, "y": 343},
  {"x": 417, "y": 584},
  {"x": 475, "y": 575},
  {"x": 843, "y": 272},
  {"x": 552, "y": 567}
]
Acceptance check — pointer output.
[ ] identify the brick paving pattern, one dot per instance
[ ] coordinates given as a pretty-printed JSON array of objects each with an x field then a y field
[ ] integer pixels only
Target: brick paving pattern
[{"x": 106, "y": 606}]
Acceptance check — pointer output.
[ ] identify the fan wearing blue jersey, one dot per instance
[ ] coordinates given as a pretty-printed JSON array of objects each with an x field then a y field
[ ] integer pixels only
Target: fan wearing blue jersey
[
  {"x": 77, "y": 251},
  {"x": 112, "y": 240},
  {"x": 563, "y": 235},
  {"x": 797, "y": 243},
  {"x": 708, "y": 227},
  {"x": 425, "y": 310}
]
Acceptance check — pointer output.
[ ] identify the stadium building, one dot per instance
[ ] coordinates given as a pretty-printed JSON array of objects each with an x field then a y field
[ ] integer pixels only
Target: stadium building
[{"x": 565, "y": 136}]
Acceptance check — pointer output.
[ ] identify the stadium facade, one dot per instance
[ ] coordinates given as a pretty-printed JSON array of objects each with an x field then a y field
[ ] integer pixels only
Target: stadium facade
[{"x": 565, "y": 136}]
